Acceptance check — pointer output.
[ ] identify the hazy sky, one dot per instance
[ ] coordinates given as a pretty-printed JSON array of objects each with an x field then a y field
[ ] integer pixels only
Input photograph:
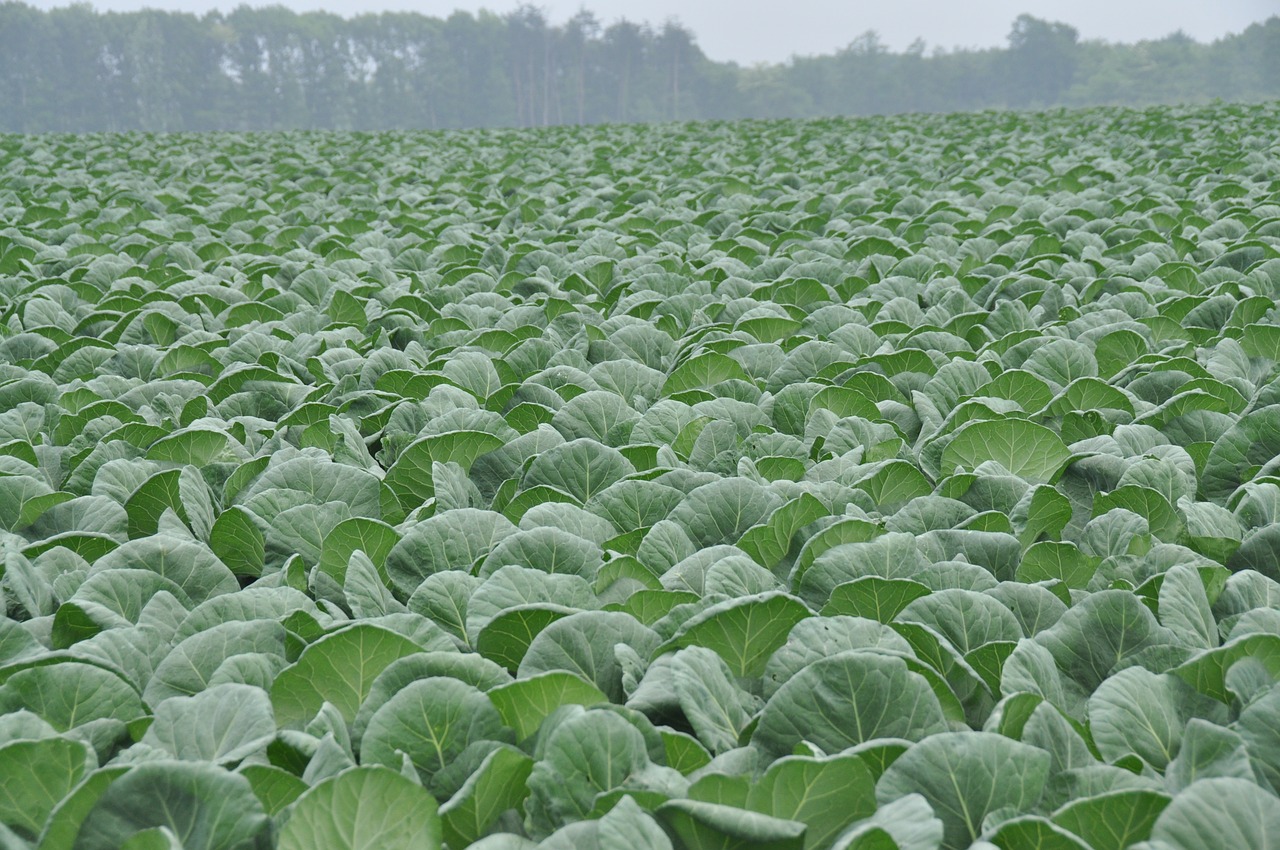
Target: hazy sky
[{"x": 750, "y": 31}]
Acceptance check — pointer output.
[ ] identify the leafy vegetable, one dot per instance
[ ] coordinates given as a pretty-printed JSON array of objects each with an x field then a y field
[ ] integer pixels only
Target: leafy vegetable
[{"x": 436, "y": 491}]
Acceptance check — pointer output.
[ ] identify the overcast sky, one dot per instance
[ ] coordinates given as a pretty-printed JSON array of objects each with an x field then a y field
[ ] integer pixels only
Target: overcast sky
[{"x": 751, "y": 31}]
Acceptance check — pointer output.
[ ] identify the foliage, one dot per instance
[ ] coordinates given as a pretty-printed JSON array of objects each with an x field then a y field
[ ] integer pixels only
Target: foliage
[
  {"x": 900, "y": 484},
  {"x": 73, "y": 69}
]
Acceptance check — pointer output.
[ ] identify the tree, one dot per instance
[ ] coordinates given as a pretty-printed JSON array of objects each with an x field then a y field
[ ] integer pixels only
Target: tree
[
  {"x": 1042, "y": 60},
  {"x": 579, "y": 31},
  {"x": 625, "y": 41},
  {"x": 675, "y": 43},
  {"x": 72, "y": 69},
  {"x": 864, "y": 75},
  {"x": 22, "y": 109},
  {"x": 530, "y": 43}
]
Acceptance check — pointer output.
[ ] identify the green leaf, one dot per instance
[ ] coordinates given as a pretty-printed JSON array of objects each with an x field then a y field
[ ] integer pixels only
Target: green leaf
[
  {"x": 64, "y": 822},
  {"x": 205, "y": 807},
  {"x": 526, "y": 702},
  {"x": 1219, "y": 814},
  {"x": 894, "y": 483},
  {"x": 627, "y": 827},
  {"x": 1161, "y": 518},
  {"x": 497, "y": 786},
  {"x": 965, "y": 776},
  {"x": 745, "y": 631},
  {"x": 275, "y": 787},
  {"x": 1117, "y": 350},
  {"x": 460, "y": 447},
  {"x": 988, "y": 661},
  {"x": 767, "y": 328},
  {"x": 1115, "y": 820},
  {"x": 373, "y": 537},
  {"x": 1184, "y": 607},
  {"x": 722, "y": 510},
  {"x": 188, "y": 563},
  {"x": 315, "y": 481},
  {"x": 1024, "y": 448},
  {"x": 1207, "y": 671},
  {"x": 907, "y": 823},
  {"x": 1029, "y": 391},
  {"x": 366, "y": 589},
  {"x": 1042, "y": 511},
  {"x": 584, "y": 643},
  {"x": 363, "y": 808},
  {"x": 156, "y": 838},
  {"x": 873, "y": 597},
  {"x": 410, "y": 476},
  {"x": 68, "y": 694},
  {"x": 432, "y": 721},
  {"x": 189, "y": 666},
  {"x": 847, "y": 699},
  {"x": 966, "y": 618},
  {"x": 505, "y": 638},
  {"x": 769, "y": 542},
  {"x": 1100, "y": 632},
  {"x": 193, "y": 446},
  {"x": 709, "y": 826},
  {"x": 88, "y": 546},
  {"x": 238, "y": 542},
  {"x": 454, "y": 540},
  {"x": 35, "y": 507},
  {"x": 344, "y": 308},
  {"x": 222, "y": 724},
  {"x": 704, "y": 370},
  {"x": 1240, "y": 452},
  {"x": 716, "y": 708},
  {"x": 157, "y": 494},
  {"x": 836, "y": 534},
  {"x": 339, "y": 669},
  {"x": 1031, "y": 832},
  {"x": 844, "y": 401},
  {"x": 1261, "y": 341},
  {"x": 524, "y": 501},
  {"x": 23, "y": 498},
  {"x": 684, "y": 752},
  {"x": 774, "y": 468},
  {"x": 1089, "y": 393},
  {"x": 826, "y": 794},
  {"x": 580, "y": 469},
  {"x": 1209, "y": 750},
  {"x": 586, "y": 754},
  {"x": 34, "y": 778},
  {"x": 443, "y": 598},
  {"x": 1049, "y": 560},
  {"x": 650, "y": 606}
]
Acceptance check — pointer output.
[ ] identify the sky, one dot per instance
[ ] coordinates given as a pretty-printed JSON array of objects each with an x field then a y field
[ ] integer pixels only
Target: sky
[{"x": 754, "y": 31}]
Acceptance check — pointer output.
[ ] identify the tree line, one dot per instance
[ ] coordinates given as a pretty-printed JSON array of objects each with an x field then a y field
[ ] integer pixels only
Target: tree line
[{"x": 73, "y": 69}]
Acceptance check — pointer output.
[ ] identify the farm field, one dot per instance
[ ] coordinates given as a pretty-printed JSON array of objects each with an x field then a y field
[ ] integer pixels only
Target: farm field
[{"x": 906, "y": 483}]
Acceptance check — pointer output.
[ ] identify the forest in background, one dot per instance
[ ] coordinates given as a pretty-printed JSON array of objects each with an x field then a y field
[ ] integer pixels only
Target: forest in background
[{"x": 73, "y": 69}]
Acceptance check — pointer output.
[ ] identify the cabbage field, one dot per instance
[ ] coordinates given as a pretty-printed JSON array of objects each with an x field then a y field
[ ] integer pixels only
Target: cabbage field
[{"x": 903, "y": 482}]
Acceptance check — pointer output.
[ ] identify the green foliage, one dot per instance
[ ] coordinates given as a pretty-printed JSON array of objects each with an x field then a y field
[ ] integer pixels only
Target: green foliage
[
  {"x": 407, "y": 491},
  {"x": 361, "y": 809},
  {"x": 167, "y": 71}
]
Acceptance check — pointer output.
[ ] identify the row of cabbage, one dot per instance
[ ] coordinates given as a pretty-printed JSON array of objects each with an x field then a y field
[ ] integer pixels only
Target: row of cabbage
[{"x": 908, "y": 483}]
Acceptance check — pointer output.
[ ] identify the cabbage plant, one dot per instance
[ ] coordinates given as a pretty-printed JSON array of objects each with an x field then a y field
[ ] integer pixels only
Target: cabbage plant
[{"x": 901, "y": 483}]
